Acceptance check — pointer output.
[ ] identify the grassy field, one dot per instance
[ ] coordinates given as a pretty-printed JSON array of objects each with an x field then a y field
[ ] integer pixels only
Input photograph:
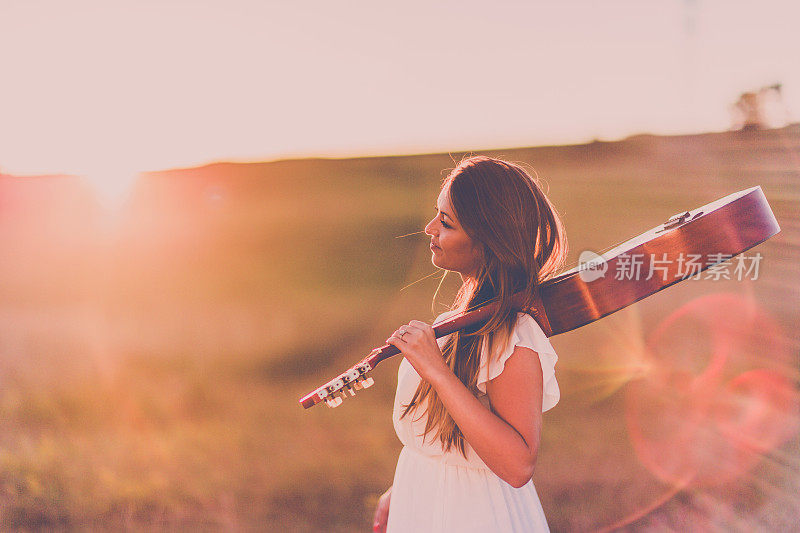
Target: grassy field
[{"x": 151, "y": 357}]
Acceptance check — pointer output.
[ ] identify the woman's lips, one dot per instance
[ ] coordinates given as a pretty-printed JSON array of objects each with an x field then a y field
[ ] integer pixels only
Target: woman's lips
[{"x": 434, "y": 247}]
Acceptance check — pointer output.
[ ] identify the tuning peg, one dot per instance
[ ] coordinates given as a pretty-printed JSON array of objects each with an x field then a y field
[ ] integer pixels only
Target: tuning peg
[
  {"x": 351, "y": 391},
  {"x": 367, "y": 383},
  {"x": 357, "y": 385},
  {"x": 334, "y": 402}
]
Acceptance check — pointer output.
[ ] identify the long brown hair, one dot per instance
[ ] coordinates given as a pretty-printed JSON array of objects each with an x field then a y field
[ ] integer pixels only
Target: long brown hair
[{"x": 523, "y": 243}]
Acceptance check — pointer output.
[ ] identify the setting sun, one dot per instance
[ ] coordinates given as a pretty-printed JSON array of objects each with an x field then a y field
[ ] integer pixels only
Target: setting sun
[{"x": 111, "y": 187}]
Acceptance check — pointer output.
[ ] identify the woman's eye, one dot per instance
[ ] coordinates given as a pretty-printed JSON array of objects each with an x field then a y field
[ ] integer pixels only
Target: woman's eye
[{"x": 445, "y": 224}]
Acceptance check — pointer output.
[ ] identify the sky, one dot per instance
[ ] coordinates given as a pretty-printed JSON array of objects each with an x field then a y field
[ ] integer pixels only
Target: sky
[{"x": 109, "y": 88}]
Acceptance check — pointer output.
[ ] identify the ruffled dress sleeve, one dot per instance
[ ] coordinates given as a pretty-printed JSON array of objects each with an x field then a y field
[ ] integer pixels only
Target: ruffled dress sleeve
[{"x": 529, "y": 334}]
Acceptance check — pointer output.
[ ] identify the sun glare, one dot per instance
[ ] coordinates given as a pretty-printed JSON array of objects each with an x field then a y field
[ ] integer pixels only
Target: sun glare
[{"x": 111, "y": 187}]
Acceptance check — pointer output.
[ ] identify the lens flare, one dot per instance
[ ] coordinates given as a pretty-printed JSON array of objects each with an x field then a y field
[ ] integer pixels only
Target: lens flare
[{"x": 717, "y": 395}]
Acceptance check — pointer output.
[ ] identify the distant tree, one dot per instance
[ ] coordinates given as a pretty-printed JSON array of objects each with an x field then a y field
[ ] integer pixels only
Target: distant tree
[{"x": 749, "y": 110}]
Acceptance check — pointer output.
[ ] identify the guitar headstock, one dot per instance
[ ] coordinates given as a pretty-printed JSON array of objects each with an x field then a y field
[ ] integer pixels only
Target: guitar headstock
[{"x": 334, "y": 392}]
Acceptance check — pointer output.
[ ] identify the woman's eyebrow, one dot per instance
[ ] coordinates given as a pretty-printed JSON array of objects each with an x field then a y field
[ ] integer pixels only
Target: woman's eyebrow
[{"x": 442, "y": 212}]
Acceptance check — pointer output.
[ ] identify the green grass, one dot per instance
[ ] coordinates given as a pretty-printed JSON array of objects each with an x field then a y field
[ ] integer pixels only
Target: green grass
[{"x": 150, "y": 380}]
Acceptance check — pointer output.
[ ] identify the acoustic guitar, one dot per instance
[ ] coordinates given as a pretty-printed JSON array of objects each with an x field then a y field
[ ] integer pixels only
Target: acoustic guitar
[{"x": 680, "y": 248}]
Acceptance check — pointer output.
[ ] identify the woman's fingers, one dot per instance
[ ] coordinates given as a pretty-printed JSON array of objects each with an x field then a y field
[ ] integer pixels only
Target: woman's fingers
[
  {"x": 420, "y": 325},
  {"x": 415, "y": 333},
  {"x": 401, "y": 333},
  {"x": 417, "y": 342},
  {"x": 395, "y": 337}
]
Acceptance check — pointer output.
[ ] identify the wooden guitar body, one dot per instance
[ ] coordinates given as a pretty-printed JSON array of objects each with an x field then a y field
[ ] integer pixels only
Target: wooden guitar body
[{"x": 719, "y": 230}]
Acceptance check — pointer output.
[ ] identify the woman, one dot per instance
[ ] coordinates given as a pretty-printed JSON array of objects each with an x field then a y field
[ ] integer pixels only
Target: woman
[{"x": 468, "y": 407}]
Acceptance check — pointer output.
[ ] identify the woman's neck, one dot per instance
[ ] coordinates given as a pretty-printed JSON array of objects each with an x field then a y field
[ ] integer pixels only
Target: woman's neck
[{"x": 468, "y": 278}]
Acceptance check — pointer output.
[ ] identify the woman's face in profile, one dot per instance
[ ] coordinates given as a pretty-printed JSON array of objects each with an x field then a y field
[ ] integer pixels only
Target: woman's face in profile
[{"x": 452, "y": 248}]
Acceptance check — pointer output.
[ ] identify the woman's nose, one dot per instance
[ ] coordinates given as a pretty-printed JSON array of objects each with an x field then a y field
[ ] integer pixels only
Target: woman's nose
[{"x": 429, "y": 228}]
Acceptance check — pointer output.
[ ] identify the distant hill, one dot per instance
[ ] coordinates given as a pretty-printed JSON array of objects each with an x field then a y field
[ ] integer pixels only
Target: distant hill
[{"x": 283, "y": 231}]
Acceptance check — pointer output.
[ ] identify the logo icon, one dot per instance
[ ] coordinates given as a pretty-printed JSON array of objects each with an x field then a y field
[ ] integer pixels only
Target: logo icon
[{"x": 591, "y": 266}]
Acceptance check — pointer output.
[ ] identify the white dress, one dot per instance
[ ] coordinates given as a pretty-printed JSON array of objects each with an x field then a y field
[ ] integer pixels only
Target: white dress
[{"x": 434, "y": 491}]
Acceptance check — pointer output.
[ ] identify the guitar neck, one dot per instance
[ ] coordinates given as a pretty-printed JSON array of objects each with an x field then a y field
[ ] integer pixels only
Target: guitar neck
[
  {"x": 475, "y": 317},
  {"x": 355, "y": 378}
]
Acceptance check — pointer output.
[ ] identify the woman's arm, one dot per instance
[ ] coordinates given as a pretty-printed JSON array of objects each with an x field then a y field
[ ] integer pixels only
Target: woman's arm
[{"x": 506, "y": 437}]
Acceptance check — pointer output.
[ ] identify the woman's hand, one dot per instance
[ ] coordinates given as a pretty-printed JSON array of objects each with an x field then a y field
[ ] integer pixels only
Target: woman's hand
[
  {"x": 505, "y": 436},
  {"x": 382, "y": 512},
  {"x": 417, "y": 342}
]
